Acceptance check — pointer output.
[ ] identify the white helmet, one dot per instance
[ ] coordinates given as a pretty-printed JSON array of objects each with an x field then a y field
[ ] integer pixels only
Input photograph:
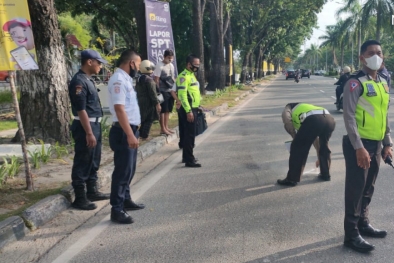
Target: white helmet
[
  {"x": 147, "y": 67},
  {"x": 346, "y": 69}
]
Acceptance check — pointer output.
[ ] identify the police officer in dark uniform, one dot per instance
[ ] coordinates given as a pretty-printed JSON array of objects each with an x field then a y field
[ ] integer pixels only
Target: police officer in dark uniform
[
  {"x": 86, "y": 131},
  {"x": 366, "y": 100}
]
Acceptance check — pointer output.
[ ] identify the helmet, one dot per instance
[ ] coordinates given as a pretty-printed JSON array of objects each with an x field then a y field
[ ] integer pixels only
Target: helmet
[
  {"x": 147, "y": 67},
  {"x": 346, "y": 69}
]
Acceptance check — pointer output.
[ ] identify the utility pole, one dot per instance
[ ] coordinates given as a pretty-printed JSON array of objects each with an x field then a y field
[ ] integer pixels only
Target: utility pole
[{"x": 326, "y": 61}]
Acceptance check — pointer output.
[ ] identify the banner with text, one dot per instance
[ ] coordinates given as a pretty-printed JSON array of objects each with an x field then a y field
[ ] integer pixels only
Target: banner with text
[
  {"x": 159, "y": 31},
  {"x": 17, "y": 49}
]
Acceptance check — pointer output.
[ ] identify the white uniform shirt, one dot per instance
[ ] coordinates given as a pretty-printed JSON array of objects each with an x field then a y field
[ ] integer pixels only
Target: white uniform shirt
[{"x": 121, "y": 91}]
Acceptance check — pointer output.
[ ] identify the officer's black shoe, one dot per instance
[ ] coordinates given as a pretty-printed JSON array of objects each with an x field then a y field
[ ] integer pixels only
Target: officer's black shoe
[
  {"x": 121, "y": 217},
  {"x": 129, "y": 204},
  {"x": 286, "y": 182},
  {"x": 369, "y": 231},
  {"x": 94, "y": 194},
  {"x": 358, "y": 244},
  {"x": 195, "y": 160},
  {"x": 324, "y": 177},
  {"x": 193, "y": 164},
  {"x": 336, "y": 102},
  {"x": 81, "y": 202}
]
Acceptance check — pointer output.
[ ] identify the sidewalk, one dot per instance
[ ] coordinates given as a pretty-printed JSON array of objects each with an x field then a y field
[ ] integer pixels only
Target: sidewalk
[
  {"x": 8, "y": 133},
  {"x": 51, "y": 219}
]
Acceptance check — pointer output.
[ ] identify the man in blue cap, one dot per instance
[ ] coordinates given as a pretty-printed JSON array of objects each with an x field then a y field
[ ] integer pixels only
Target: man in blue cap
[{"x": 86, "y": 131}]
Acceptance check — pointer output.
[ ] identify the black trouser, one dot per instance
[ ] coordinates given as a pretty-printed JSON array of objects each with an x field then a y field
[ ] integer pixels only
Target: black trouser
[
  {"x": 125, "y": 160},
  {"x": 338, "y": 92},
  {"x": 86, "y": 160},
  {"x": 180, "y": 127},
  {"x": 319, "y": 125},
  {"x": 360, "y": 185},
  {"x": 189, "y": 134},
  {"x": 145, "y": 128}
]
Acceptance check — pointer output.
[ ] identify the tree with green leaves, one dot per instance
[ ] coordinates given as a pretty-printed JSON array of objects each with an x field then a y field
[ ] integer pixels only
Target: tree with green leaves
[{"x": 44, "y": 103}]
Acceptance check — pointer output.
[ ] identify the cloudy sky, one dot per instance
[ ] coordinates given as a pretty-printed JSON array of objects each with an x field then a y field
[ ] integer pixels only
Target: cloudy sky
[{"x": 325, "y": 18}]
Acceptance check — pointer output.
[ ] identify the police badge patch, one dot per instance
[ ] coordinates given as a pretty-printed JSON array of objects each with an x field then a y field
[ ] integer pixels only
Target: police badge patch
[
  {"x": 117, "y": 89},
  {"x": 353, "y": 85},
  {"x": 78, "y": 89},
  {"x": 181, "y": 80}
]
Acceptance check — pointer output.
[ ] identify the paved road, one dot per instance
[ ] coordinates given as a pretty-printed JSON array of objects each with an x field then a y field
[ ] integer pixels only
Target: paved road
[{"x": 231, "y": 210}]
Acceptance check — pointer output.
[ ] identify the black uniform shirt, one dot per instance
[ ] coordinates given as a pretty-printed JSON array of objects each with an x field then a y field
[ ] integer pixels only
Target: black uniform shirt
[{"x": 84, "y": 95}]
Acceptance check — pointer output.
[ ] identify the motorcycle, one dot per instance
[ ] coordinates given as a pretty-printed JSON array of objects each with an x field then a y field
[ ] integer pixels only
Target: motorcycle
[
  {"x": 96, "y": 79},
  {"x": 297, "y": 78},
  {"x": 340, "y": 103}
]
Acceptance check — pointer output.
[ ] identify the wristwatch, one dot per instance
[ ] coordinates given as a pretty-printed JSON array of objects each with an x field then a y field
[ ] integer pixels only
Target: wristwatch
[{"x": 390, "y": 145}]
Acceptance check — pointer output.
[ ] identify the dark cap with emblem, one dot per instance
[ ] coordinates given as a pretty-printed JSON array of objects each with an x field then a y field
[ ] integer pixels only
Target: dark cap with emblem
[{"x": 92, "y": 54}]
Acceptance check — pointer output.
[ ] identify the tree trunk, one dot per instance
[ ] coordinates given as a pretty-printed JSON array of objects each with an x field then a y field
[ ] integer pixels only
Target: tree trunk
[
  {"x": 256, "y": 62},
  {"x": 342, "y": 53},
  {"x": 379, "y": 19},
  {"x": 217, "y": 77},
  {"x": 198, "y": 42},
  {"x": 245, "y": 64},
  {"x": 359, "y": 45},
  {"x": 141, "y": 28},
  {"x": 44, "y": 102}
]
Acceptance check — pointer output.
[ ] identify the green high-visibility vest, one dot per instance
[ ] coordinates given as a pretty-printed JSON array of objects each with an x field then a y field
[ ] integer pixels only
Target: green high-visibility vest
[
  {"x": 300, "y": 109},
  {"x": 371, "y": 109}
]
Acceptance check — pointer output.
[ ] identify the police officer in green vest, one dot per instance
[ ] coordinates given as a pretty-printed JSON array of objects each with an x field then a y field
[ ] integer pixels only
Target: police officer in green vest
[
  {"x": 307, "y": 124},
  {"x": 366, "y": 100},
  {"x": 188, "y": 89}
]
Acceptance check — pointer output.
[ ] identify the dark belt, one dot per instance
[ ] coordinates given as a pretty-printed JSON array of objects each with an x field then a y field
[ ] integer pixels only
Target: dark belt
[
  {"x": 134, "y": 127},
  {"x": 369, "y": 141}
]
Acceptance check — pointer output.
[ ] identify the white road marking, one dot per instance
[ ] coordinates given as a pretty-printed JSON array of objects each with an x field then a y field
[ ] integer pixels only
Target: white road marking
[
  {"x": 333, "y": 97},
  {"x": 140, "y": 188},
  {"x": 322, "y": 91}
]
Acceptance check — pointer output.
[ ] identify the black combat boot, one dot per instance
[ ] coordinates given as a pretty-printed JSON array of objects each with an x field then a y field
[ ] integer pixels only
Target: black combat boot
[
  {"x": 93, "y": 193},
  {"x": 81, "y": 202}
]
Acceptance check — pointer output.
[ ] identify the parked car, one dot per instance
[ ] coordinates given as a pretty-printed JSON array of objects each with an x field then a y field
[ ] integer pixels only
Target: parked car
[
  {"x": 306, "y": 73},
  {"x": 290, "y": 74},
  {"x": 4, "y": 76},
  {"x": 320, "y": 72}
]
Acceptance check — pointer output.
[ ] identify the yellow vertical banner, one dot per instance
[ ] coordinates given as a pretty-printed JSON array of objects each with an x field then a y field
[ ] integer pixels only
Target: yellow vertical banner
[
  {"x": 17, "y": 49},
  {"x": 230, "y": 53}
]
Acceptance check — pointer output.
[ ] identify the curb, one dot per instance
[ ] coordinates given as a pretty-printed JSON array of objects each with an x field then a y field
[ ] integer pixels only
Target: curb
[
  {"x": 15, "y": 228},
  {"x": 12, "y": 229}
]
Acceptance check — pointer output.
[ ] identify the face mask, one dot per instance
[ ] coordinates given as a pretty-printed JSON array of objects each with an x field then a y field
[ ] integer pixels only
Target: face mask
[
  {"x": 374, "y": 62},
  {"x": 194, "y": 68},
  {"x": 133, "y": 72}
]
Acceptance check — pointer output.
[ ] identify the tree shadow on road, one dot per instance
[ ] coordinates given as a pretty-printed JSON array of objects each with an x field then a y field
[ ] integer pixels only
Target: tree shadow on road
[{"x": 330, "y": 250}]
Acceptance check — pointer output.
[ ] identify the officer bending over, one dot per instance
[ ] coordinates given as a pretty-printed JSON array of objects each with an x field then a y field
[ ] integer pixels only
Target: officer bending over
[{"x": 307, "y": 124}]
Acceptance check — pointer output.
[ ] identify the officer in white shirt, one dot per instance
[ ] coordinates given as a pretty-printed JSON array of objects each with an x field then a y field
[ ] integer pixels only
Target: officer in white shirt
[{"x": 123, "y": 136}]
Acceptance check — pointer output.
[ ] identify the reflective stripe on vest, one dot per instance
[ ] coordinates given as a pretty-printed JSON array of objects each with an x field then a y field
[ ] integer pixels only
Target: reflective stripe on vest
[
  {"x": 371, "y": 111},
  {"x": 300, "y": 109}
]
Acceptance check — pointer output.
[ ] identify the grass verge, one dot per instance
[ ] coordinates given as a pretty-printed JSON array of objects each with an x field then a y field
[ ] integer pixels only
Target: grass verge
[
  {"x": 8, "y": 125},
  {"x": 14, "y": 194}
]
